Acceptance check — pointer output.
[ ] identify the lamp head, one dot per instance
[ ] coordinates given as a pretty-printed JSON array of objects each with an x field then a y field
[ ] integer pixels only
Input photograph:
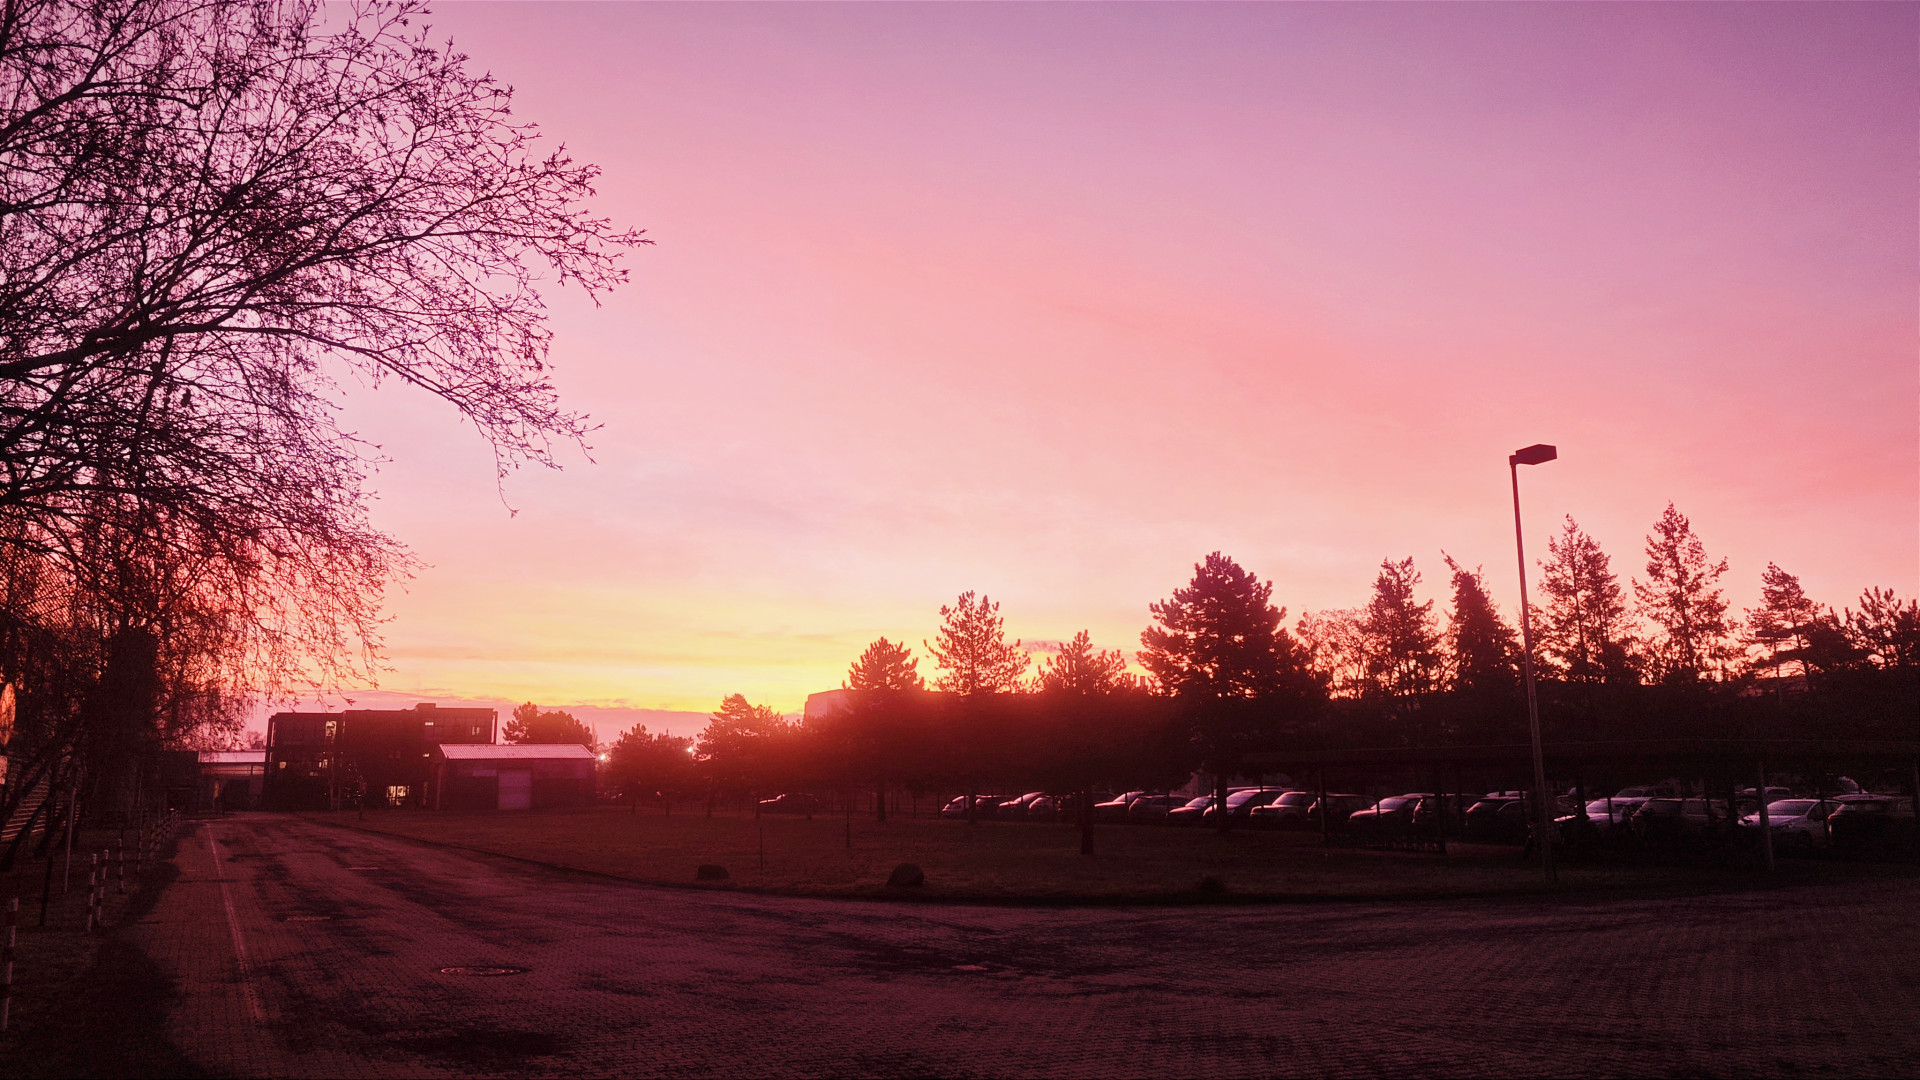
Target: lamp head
[{"x": 1537, "y": 454}]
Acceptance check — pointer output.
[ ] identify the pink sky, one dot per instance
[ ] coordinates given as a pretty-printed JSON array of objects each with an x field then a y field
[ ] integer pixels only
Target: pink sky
[{"x": 1051, "y": 301}]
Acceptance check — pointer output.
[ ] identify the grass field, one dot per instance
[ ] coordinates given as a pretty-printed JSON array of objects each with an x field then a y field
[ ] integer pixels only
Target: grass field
[{"x": 1007, "y": 860}]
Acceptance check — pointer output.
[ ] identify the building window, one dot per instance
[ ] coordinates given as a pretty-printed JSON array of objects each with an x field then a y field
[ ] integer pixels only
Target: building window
[{"x": 396, "y": 793}]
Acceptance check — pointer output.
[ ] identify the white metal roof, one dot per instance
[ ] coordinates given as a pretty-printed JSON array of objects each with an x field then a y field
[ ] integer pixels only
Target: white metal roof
[
  {"x": 233, "y": 757},
  {"x": 516, "y": 752}
]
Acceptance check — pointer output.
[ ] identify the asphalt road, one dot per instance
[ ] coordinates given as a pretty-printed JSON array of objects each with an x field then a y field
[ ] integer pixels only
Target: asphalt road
[{"x": 296, "y": 949}]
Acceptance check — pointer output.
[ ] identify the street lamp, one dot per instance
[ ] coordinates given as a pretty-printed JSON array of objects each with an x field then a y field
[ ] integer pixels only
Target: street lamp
[{"x": 1537, "y": 454}]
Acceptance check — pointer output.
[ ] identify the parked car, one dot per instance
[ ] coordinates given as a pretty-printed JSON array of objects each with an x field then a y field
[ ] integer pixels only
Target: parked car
[
  {"x": 1241, "y": 804},
  {"x": 1152, "y": 809},
  {"x": 1287, "y": 811},
  {"x": 1676, "y": 821},
  {"x": 1798, "y": 825},
  {"x": 1193, "y": 813},
  {"x": 790, "y": 804},
  {"x": 1390, "y": 814},
  {"x": 1339, "y": 810},
  {"x": 1497, "y": 820},
  {"x": 1115, "y": 809},
  {"x": 1044, "y": 808},
  {"x": 1016, "y": 807},
  {"x": 984, "y": 806},
  {"x": 1862, "y": 823}
]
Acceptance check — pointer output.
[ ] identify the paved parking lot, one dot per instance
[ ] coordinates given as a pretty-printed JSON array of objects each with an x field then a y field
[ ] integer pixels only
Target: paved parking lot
[{"x": 302, "y": 950}]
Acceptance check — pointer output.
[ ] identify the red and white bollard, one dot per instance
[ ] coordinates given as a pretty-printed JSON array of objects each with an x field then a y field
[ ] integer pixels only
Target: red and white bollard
[{"x": 6, "y": 962}]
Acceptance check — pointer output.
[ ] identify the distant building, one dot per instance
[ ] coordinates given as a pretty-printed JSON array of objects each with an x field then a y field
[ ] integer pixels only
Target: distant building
[
  {"x": 526, "y": 776},
  {"x": 316, "y": 761},
  {"x": 230, "y": 779}
]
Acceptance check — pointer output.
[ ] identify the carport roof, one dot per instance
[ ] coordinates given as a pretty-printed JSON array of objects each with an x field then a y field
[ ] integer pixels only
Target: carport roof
[{"x": 516, "y": 752}]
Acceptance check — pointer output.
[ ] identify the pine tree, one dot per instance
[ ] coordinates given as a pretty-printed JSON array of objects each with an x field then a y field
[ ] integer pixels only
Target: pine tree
[
  {"x": 1220, "y": 650},
  {"x": 1079, "y": 668},
  {"x": 1220, "y": 637},
  {"x": 1784, "y": 626},
  {"x": 1584, "y": 631},
  {"x": 1885, "y": 629},
  {"x": 885, "y": 666},
  {"x": 739, "y": 742},
  {"x": 972, "y": 649},
  {"x": 1679, "y": 599},
  {"x": 640, "y": 762},
  {"x": 1402, "y": 642},
  {"x": 1483, "y": 653},
  {"x": 530, "y": 725}
]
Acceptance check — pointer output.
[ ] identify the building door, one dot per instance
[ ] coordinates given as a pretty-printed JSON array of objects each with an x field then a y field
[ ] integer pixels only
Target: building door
[{"x": 516, "y": 789}]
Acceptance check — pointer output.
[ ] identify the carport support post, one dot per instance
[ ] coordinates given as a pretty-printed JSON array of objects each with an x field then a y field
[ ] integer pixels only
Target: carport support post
[{"x": 1766, "y": 829}]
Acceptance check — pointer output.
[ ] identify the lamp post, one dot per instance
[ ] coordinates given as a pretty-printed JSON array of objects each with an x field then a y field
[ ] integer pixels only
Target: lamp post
[{"x": 1537, "y": 454}]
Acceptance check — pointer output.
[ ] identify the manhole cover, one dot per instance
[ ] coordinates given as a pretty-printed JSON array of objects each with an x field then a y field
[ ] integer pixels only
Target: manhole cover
[
  {"x": 308, "y": 918},
  {"x": 482, "y": 971}
]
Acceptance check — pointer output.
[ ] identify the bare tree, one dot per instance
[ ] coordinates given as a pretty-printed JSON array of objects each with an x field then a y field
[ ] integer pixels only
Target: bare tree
[
  {"x": 213, "y": 214},
  {"x": 1335, "y": 648}
]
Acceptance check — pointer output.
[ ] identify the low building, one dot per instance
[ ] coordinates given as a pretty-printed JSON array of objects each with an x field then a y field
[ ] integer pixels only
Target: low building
[
  {"x": 526, "y": 776},
  {"x": 230, "y": 779},
  {"x": 317, "y": 761}
]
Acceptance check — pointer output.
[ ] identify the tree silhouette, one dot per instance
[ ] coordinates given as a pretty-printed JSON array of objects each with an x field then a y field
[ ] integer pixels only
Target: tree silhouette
[
  {"x": 213, "y": 210},
  {"x": 1885, "y": 629},
  {"x": 1079, "y": 668},
  {"x": 1085, "y": 739},
  {"x": 1785, "y": 625},
  {"x": 1584, "y": 631},
  {"x": 1335, "y": 648},
  {"x": 885, "y": 666},
  {"x": 640, "y": 762},
  {"x": 1402, "y": 642},
  {"x": 972, "y": 649},
  {"x": 1221, "y": 652},
  {"x": 741, "y": 745},
  {"x": 1483, "y": 653},
  {"x": 530, "y": 725},
  {"x": 1679, "y": 598}
]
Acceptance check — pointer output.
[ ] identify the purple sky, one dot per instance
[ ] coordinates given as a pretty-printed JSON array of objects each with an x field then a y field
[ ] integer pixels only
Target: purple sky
[{"x": 1051, "y": 301}]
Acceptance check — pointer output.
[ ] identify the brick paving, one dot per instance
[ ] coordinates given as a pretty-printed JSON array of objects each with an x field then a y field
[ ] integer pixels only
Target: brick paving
[{"x": 637, "y": 981}]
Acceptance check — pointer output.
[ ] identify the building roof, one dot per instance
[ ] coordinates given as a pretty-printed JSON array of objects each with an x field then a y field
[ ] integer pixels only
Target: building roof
[
  {"x": 517, "y": 752},
  {"x": 233, "y": 757}
]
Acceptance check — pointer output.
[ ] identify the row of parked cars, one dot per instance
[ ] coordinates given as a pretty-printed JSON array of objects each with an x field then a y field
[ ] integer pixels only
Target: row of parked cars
[
  {"x": 1849, "y": 823},
  {"x": 1259, "y": 807},
  {"x": 1650, "y": 814}
]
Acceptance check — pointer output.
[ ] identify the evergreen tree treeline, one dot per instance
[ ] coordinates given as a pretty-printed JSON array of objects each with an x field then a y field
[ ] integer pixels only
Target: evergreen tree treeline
[{"x": 1224, "y": 678}]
